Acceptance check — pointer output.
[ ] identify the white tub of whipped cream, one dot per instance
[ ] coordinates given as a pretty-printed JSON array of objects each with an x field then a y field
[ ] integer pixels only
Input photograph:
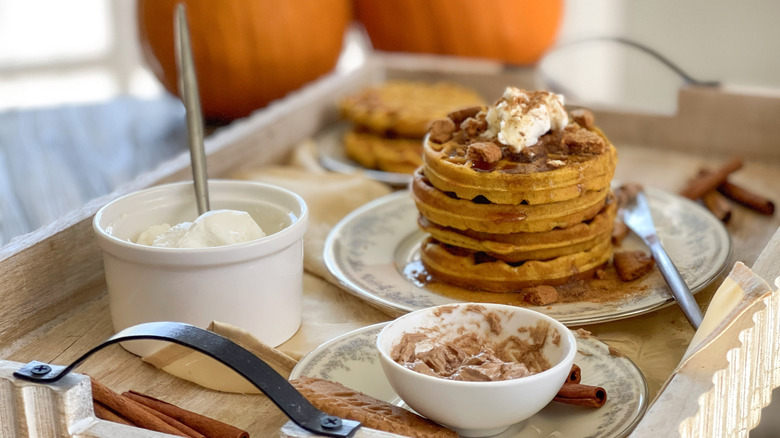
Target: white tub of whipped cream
[{"x": 240, "y": 263}]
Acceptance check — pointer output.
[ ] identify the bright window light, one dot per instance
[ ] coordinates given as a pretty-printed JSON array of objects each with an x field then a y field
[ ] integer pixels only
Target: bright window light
[{"x": 40, "y": 31}]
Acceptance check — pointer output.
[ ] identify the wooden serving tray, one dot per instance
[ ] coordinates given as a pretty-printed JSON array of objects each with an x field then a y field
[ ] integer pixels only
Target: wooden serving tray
[{"x": 52, "y": 287}]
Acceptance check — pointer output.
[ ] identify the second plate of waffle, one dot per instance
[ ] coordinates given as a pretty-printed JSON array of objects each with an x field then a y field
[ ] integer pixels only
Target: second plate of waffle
[{"x": 375, "y": 254}]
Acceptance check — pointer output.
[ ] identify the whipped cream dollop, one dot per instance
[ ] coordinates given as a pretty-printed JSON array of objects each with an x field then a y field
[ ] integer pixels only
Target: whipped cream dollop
[
  {"x": 520, "y": 117},
  {"x": 213, "y": 228}
]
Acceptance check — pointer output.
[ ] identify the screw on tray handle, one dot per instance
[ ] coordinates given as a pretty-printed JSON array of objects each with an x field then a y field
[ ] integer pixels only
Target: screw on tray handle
[{"x": 240, "y": 360}]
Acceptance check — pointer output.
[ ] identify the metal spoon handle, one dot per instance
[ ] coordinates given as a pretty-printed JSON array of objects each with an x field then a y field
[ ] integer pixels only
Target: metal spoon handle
[
  {"x": 680, "y": 290},
  {"x": 188, "y": 88}
]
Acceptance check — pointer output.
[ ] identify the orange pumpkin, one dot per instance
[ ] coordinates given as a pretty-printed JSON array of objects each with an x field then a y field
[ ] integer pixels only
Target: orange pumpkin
[
  {"x": 512, "y": 31},
  {"x": 246, "y": 52}
]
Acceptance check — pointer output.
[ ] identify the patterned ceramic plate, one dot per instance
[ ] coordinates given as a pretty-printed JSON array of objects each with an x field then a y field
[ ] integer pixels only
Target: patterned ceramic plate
[
  {"x": 351, "y": 360},
  {"x": 330, "y": 149},
  {"x": 371, "y": 251}
]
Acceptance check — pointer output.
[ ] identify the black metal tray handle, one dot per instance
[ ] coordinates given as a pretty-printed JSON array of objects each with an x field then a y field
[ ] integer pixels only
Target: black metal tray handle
[{"x": 251, "y": 367}]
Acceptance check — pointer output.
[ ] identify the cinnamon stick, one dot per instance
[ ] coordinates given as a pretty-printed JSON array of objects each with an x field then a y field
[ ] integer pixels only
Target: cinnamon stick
[
  {"x": 104, "y": 413},
  {"x": 186, "y": 430},
  {"x": 575, "y": 375},
  {"x": 205, "y": 425},
  {"x": 710, "y": 181},
  {"x": 747, "y": 198},
  {"x": 130, "y": 410},
  {"x": 581, "y": 395},
  {"x": 743, "y": 196},
  {"x": 717, "y": 205}
]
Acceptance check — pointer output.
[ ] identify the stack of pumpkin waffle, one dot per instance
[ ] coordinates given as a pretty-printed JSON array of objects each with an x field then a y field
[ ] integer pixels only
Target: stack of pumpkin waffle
[
  {"x": 389, "y": 121},
  {"x": 515, "y": 195}
]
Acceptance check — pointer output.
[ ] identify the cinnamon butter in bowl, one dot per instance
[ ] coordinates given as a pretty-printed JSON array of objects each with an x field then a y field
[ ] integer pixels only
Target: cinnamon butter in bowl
[
  {"x": 241, "y": 263},
  {"x": 476, "y": 368}
]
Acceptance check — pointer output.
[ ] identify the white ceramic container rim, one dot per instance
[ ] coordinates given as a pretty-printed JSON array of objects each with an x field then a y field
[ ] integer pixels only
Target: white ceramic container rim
[
  {"x": 562, "y": 329},
  {"x": 270, "y": 244}
]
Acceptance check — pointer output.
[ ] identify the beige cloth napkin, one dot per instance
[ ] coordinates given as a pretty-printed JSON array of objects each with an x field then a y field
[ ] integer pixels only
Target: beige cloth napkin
[
  {"x": 328, "y": 311},
  {"x": 207, "y": 372},
  {"x": 329, "y": 196}
]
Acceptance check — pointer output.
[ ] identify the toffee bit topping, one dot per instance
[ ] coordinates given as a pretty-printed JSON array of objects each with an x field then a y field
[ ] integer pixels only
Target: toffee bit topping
[
  {"x": 627, "y": 192},
  {"x": 540, "y": 295},
  {"x": 583, "y": 117},
  {"x": 484, "y": 152},
  {"x": 631, "y": 265},
  {"x": 473, "y": 356},
  {"x": 582, "y": 142},
  {"x": 441, "y": 130},
  {"x": 464, "y": 113},
  {"x": 531, "y": 128},
  {"x": 619, "y": 232},
  {"x": 473, "y": 126}
]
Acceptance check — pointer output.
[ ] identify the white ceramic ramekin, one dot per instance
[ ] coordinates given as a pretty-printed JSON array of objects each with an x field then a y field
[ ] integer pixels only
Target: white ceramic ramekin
[
  {"x": 255, "y": 285},
  {"x": 476, "y": 409}
]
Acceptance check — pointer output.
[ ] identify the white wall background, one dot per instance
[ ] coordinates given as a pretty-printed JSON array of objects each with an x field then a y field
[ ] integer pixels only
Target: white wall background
[
  {"x": 734, "y": 42},
  {"x": 77, "y": 51}
]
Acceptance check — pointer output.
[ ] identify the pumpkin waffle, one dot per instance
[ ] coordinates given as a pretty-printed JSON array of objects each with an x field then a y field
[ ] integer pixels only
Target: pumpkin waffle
[
  {"x": 517, "y": 247},
  {"x": 390, "y": 120},
  {"x": 405, "y": 108},
  {"x": 545, "y": 178},
  {"x": 400, "y": 155},
  {"x": 448, "y": 210},
  {"x": 477, "y": 270},
  {"x": 516, "y": 194}
]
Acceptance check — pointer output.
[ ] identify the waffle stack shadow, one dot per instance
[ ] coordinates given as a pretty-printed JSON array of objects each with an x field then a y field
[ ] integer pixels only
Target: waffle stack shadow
[{"x": 502, "y": 220}]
